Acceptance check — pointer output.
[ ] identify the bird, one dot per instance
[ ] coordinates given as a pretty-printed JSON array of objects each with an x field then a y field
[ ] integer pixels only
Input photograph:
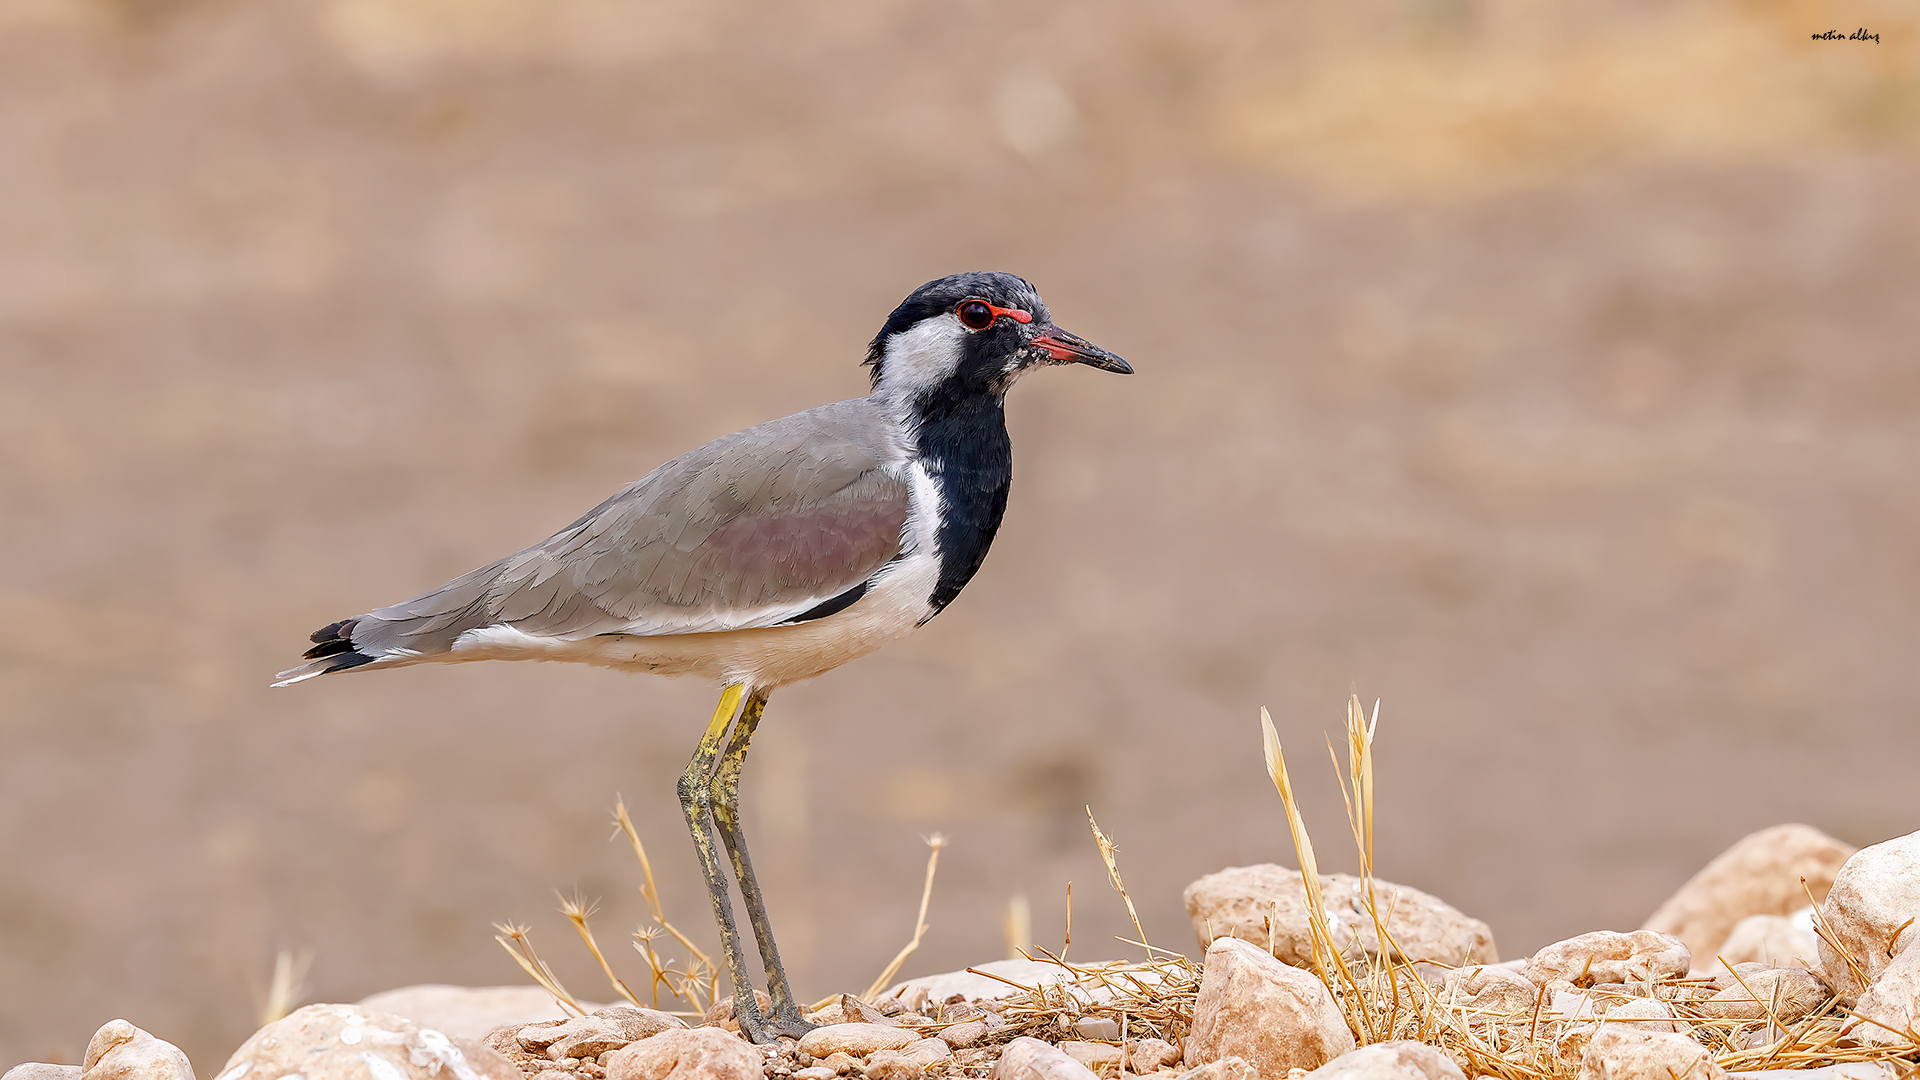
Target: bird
[{"x": 763, "y": 558}]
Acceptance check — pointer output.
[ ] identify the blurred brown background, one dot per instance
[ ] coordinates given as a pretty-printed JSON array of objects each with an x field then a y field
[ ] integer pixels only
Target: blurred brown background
[{"x": 1545, "y": 370}]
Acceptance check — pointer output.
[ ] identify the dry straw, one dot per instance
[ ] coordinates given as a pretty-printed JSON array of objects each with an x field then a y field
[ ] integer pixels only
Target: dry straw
[{"x": 1383, "y": 995}]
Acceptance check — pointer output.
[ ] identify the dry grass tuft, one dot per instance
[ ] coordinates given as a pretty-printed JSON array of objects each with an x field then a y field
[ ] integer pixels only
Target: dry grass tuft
[{"x": 1384, "y": 996}]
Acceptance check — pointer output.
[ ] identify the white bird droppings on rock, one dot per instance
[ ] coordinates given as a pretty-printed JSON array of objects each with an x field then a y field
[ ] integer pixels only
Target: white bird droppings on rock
[
  {"x": 705, "y": 1053},
  {"x": 1275, "y": 1016},
  {"x": 1871, "y": 912},
  {"x": 309, "y": 1043},
  {"x": 1617, "y": 1053},
  {"x": 1759, "y": 875},
  {"x": 1401, "y": 1059},
  {"x": 1608, "y": 956},
  {"x": 856, "y": 1039},
  {"x": 1030, "y": 1059},
  {"x": 1268, "y": 903}
]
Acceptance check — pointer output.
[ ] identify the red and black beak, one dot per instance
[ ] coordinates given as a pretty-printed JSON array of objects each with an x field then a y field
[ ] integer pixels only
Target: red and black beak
[{"x": 1069, "y": 348}]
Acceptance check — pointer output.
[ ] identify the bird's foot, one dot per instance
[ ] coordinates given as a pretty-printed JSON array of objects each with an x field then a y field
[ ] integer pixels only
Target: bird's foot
[
  {"x": 791, "y": 1026},
  {"x": 765, "y": 1031}
]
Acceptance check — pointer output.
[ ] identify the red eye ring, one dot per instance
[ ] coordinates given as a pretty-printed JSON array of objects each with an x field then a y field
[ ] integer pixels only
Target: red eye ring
[
  {"x": 978, "y": 314},
  {"x": 975, "y": 314}
]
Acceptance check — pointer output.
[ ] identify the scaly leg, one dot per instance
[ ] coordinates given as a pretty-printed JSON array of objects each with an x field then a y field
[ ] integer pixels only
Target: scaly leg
[
  {"x": 726, "y": 814},
  {"x": 696, "y": 800}
]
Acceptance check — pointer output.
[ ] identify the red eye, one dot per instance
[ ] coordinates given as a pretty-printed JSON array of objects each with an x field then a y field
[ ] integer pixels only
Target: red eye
[{"x": 975, "y": 314}]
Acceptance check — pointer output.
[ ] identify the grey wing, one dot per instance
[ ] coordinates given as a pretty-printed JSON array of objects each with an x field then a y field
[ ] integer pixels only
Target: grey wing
[{"x": 759, "y": 528}]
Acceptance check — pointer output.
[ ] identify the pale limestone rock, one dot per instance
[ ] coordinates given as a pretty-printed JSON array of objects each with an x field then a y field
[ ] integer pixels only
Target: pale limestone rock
[
  {"x": 1150, "y": 1055},
  {"x": 1025, "y": 973},
  {"x": 468, "y": 1011},
  {"x": 1773, "y": 940},
  {"x": 1401, "y": 1059},
  {"x": 1871, "y": 912},
  {"x": 346, "y": 1042},
  {"x": 840, "y": 1062},
  {"x": 1030, "y": 1059},
  {"x": 1645, "y": 1015},
  {"x": 811, "y": 1072},
  {"x": 1787, "y": 994},
  {"x": 860, "y": 1012},
  {"x": 41, "y": 1070},
  {"x": 1491, "y": 992},
  {"x": 1100, "y": 1057},
  {"x": 1097, "y": 1028},
  {"x": 1226, "y": 1068},
  {"x": 1759, "y": 875},
  {"x": 1893, "y": 1000},
  {"x": 907, "y": 1064},
  {"x": 1267, "y": 903},
  {"x": 120, "y": 1051},
  {"x": 1608, "y": 956},
  {"x": 856, "y": 1039},
  {"x": 893, "y": 1065},
  {"x": 964, "y": 1034},
  {"x": 1617, "y": 1052},
  {"x": 1252, "y": 1006},
  {"x": 703, "y": 1053},
  {"x": 604, "y": 1029}
]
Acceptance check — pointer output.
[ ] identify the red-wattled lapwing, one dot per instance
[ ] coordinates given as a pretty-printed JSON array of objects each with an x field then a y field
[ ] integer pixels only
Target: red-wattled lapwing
[{"x": 769, "y": 556}]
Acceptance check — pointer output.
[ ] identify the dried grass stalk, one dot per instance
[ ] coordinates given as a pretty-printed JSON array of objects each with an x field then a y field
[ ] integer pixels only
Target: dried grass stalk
[
  {"x": 513, "y": 938},
  {"x": 935, "y": 842}
]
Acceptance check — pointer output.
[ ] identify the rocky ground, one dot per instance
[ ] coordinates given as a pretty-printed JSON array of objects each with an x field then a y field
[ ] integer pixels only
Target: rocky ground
[{"x": 1787, "y": 952}]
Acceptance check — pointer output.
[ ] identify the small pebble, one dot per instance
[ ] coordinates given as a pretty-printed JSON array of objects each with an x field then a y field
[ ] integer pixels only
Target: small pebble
[
  {"x": 1093, "y": 1055},
  {"x": 964, "y": 1034},
  {"x": 1096, "y": 1027},
  {"x": 815, "y": 1072},
  {"x": 1152, "y": 1055},
  {"x": 893, "y": 1065}
]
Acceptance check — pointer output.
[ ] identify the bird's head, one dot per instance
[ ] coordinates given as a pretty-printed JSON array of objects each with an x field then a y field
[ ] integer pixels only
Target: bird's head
[{"x": 974, "y": 333}]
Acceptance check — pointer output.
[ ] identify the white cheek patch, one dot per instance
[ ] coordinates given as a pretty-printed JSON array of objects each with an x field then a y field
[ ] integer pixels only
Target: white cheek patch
[{"x": 923, "y": 356}]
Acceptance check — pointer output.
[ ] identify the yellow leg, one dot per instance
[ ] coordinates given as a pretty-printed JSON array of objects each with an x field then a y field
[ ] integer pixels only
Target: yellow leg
[
  {"x": 785, "y": 1018},
  {"x": 696, "y": 800}
]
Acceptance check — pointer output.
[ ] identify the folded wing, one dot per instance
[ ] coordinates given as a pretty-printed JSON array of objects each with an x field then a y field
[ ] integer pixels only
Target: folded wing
[{"x": 770, "y": 525}]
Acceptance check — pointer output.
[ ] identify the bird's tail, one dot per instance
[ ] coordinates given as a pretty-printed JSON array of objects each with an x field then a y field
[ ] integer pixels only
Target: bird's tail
[{"x": 333, "y": 650}]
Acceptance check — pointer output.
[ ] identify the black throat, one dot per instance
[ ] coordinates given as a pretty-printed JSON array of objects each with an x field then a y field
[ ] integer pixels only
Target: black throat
[{"x": 964, "y": 446}]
